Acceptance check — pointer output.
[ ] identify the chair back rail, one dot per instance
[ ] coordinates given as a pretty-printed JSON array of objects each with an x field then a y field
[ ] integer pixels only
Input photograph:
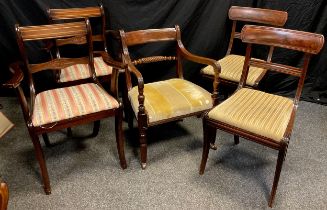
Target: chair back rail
[
  {"x": 254, "y": 15},
  {"x": 79, "y": 13},
  {"x": 306, "y": 42},
  {"x": 64, "y": 30},
  {"x": 150, "y": 35},
  {"x": 258, "y": 15},
  {"x": 285, "y": 38},
  {"x": 74, "y": 13}
]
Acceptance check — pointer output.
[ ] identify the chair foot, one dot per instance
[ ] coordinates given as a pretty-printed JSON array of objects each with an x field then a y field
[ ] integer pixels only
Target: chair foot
[
  {"x": 213, "y": 146},
  {"x": 236, "y": 139},
  {"x": 96, "y": 128},
  {"x": 46, "y": 140},
  {"x": 143, "y": 165},
  {"x": 47, "y": 191},
  {"x": 69, "y": 132}
]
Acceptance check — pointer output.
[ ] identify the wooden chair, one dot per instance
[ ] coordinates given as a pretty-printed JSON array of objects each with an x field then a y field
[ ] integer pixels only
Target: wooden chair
[
  {"x": 231, "y": 64},
  {"x": 61, "y": 108},
  {"x": 4, "y": 196},
  {"x": 255, "y": 115},
  {"x": 103, "y": 62},
  {"x": 168, "y": 100}
]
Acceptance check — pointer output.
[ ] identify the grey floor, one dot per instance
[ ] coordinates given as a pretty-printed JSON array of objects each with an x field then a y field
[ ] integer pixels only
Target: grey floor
[{"x": 85, "y": 172}]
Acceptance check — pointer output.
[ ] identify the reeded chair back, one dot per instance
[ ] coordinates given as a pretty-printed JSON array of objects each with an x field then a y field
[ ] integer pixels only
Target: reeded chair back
[
  {"x": 4, "y": 196},
  {"x": 255, "y": 115},
  {"x": 61, "y": 108},
  {"x": 166, "y": 100},
  {"x": 104, "y": 63},
  {"x": 231, "y": 64}
]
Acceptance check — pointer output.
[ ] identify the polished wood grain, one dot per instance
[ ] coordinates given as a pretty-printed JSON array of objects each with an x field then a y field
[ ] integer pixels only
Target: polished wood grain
[
  {"x": 258, "y": 15},
  {"x": 279, "y": 37},
  {"x": 30, "y": 33},
  {"x": 74, "y": 13},
  {"x": 148, "y": 36},
  {"x": 4, "y": 196},
  {"x": 309, "y": 44}
]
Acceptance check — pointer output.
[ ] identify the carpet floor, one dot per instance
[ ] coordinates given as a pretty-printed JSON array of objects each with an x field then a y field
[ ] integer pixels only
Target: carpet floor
[{"x": 85, "y": 173}]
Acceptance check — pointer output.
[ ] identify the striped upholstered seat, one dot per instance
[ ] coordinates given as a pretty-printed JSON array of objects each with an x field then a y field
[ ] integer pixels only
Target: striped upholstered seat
[
  {"x": 81, "y": 71},
  {"x": 255, "y": 111},
  {"x": 171, "y": 98},
  {"x": 74, "y": 101},
  {"x": 231, "y": 69}
]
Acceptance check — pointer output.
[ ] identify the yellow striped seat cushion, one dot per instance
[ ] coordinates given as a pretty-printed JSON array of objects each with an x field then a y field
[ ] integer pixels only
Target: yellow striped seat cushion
[
  {"x": 255, "y": 111},
  {"x": 171, "y": 98},
  {"x": 66, "y": 103},
  {"x": 81, "y": 71},
  {"x": 232, "y": 67}
]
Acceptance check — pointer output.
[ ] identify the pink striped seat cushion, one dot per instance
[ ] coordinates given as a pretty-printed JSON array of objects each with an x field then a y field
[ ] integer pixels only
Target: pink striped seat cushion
[
  {"x": 69, "y": 102},
  {"x": 81, "y": 71}
]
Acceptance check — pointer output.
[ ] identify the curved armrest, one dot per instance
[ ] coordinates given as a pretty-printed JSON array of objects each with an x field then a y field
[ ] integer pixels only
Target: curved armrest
[
  {"x": 199, "y": 59},
  {"x": 109, "y": 60},
  {"x": 14, "y": 82},
  {"x": 17, "y": 77}
]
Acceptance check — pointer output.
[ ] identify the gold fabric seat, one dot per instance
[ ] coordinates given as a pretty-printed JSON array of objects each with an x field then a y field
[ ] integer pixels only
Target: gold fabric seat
[
  {"x": 66, "y": 103},
  {"x": 81, "y": 71},
  {"x": 165, "y": 100},
  {"x": 257, "y": 116},
  {"x": 255, "y": 111},
  {"x": 231, "y": 69},
  {"x": 231, "y": 64},
  {"x": 171, "y": 98}
]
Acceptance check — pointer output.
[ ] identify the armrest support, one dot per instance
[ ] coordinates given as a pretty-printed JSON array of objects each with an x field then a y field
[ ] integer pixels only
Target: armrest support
[
  {"x": 140, "y": 83},
  {"x": 17, "y": 77},
  {"x": 202, "y": 60},
  {"x": 14, "y": 82}
]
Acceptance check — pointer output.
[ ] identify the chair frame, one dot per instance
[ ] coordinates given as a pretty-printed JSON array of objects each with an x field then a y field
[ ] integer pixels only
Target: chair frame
[
  {"x": 157, "y": 35},
  {"x": 69, "y": 32},
  {"x": 308, "y": 43},
  {"x": 74, "y": 14},
  {"x": 4, "y": 196},
  {"x": 252, "y": 15}
]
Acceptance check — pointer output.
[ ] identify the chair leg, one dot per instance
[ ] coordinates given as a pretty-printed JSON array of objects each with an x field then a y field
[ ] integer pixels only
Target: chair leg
[
  {"x": 209, "y": 136},
  {"x": 236, "y": 139},
  {"x": 46, "y": 140},
  {"x": 280, "y": 160},
  {"x": 40, "y": 157},
  {"x": 69, "y": 132},
  {"x": 120, "y": 138},
  {"x": 96, "y": 128},
  {"x": 143, "y": 146}
]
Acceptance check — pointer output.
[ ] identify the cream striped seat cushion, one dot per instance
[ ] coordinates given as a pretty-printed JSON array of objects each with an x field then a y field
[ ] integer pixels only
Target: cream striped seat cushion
[
  {"x": 255, "y": 111},
  {"x": 171, "y": 98},
  {"x": 81, "y": 71},
  {"x": 66, "y": 103},
  {"x": 232, "y": 67}
]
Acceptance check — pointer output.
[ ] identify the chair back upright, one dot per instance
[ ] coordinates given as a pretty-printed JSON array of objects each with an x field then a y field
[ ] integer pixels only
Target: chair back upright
[
  {"x": 140, "y": 37},
  {"x": 308, "y": 43},
  {"x": 254, "y": 15},
  {"x": 76, "y": 33},
  {"x": 71, "y": 14}
]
